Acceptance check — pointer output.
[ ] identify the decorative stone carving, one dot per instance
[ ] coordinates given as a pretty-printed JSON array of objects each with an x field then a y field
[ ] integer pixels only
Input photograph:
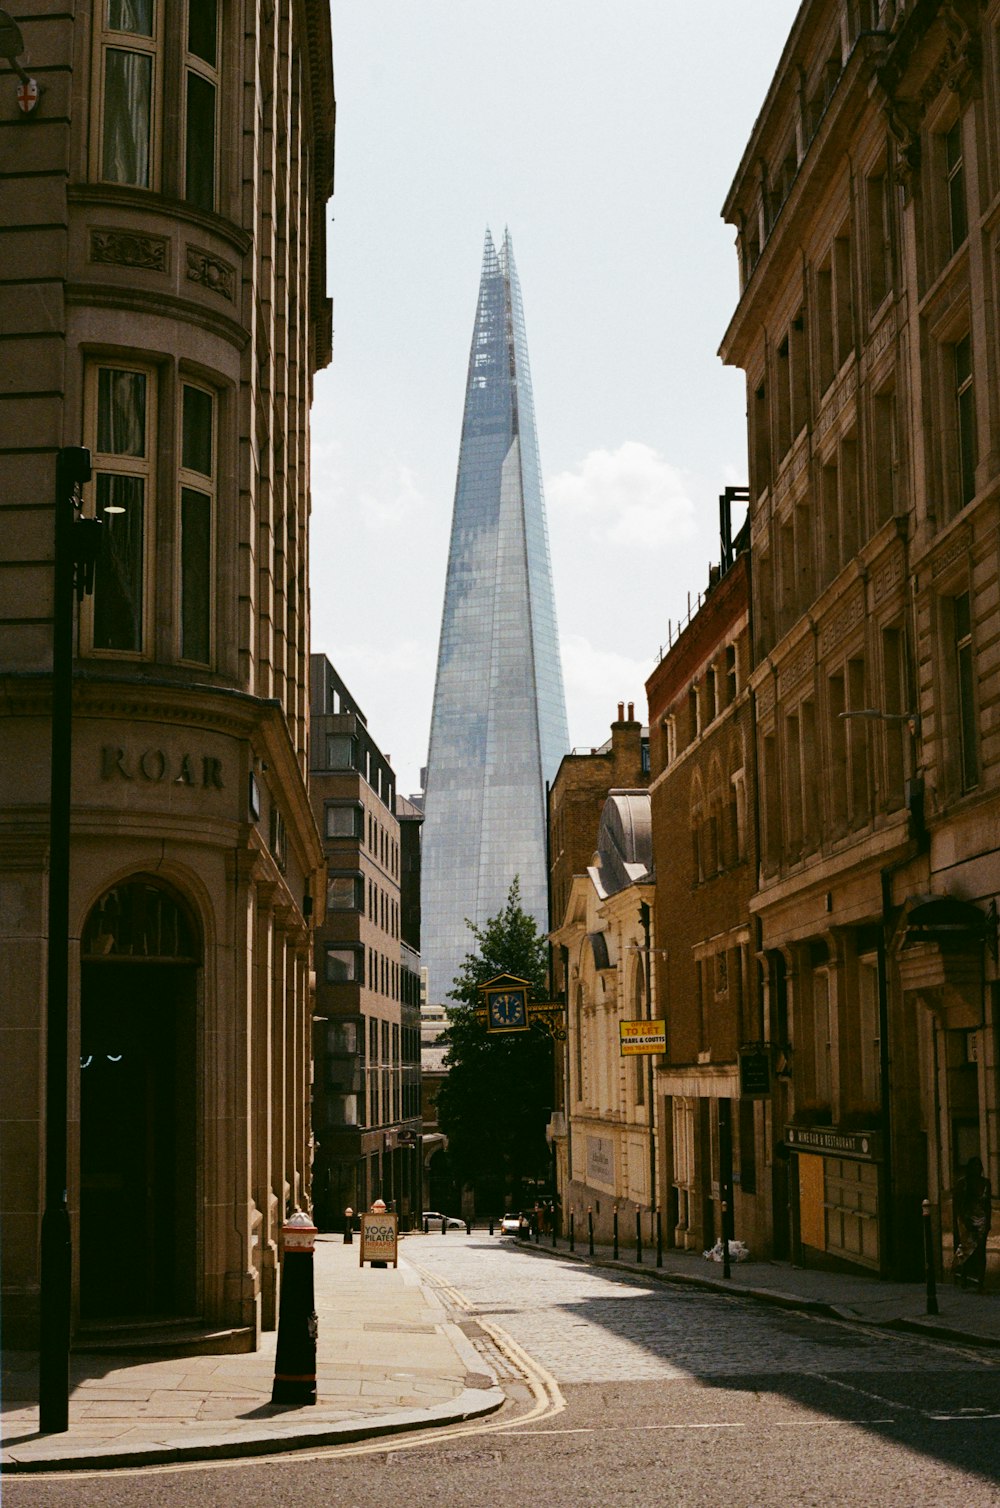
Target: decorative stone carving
[
  {"x": 888, "y": 575},
  {"x": 956, "y": 547},
  {"x": 836, "y": 629},
  {"x": 126, "y": 248},
  {"x": 212, "y": 272}
]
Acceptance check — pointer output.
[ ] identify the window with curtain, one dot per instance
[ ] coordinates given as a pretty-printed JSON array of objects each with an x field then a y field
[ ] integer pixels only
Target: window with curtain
[
  {"x": 201, "y": 85},
  {"x": 130, "y": 83},
  {"x": 197, "y": 496},
  {"x": 122, "y": 406}
]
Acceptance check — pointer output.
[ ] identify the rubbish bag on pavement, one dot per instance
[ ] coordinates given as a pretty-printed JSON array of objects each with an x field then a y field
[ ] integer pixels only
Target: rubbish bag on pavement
[{"x": 738, "y": 1252}]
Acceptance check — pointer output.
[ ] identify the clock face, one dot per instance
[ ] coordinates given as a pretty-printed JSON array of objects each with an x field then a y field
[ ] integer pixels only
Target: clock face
[{"x": 508, "y": 1010}]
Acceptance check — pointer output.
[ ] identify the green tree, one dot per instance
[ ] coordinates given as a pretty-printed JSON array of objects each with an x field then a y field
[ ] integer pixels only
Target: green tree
[{"x": 495, "y": 1101}]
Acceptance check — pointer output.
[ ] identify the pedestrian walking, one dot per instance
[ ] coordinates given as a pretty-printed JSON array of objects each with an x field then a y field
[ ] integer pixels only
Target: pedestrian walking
[{"x": 971, "y": 1206}]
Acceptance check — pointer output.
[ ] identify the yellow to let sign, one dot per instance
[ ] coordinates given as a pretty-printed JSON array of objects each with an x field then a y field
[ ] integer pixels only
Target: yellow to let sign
[
  {"x": 378, "y": 1239},
  {"x": 642, "y": 1036}
]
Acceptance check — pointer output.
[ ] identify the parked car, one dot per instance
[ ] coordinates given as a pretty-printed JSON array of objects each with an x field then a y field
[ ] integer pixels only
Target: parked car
[
  {"x": 434, "y": 1218},
  {"x": 515, "y": 1225}
]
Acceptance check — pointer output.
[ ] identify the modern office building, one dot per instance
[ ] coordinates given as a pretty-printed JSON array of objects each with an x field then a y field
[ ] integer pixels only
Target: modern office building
[
  {"x": 498, "y": 729},
  {"x": 366, "y": 1087},
  {"x": 164, "y": 306}
]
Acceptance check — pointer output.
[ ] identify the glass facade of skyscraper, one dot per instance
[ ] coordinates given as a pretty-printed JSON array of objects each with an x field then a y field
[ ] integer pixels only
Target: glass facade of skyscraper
[{"x": 498, "y": 728}]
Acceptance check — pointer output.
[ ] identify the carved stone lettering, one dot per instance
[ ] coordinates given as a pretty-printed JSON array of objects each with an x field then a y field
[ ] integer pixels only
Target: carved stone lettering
[
  {"x": 887, "y": 576},
  {"x": 186, "y": 776},
  {"x": 842, "y": 622},
  {"x": 953, "y": 551},
  {"x": 211, "y": 772},
  {"x": 885, "y": 333},
  {"x": 154, "y": 766}
]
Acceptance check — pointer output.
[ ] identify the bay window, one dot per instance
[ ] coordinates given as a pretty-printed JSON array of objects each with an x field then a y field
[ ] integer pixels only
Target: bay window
[
  {"x": 121, "y": 400},
  {"x": 197, "y": 490}
]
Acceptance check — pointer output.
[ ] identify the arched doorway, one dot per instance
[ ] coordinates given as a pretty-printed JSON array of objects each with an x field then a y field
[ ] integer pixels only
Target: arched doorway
[{"x": 138, "y": 1139}]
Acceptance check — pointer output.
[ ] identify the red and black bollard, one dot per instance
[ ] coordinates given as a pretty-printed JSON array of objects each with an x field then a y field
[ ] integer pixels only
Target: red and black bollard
[{"x": 295, "y": 1358}]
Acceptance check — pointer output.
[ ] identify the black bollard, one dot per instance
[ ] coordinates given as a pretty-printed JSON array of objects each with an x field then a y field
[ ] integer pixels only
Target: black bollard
[
  {"x": 590, "y": 1228},
  {"x": 932, "y": 1303},
  {"x": 295, "y": 1356},
  {"x": 468, "y": 1227},
  {"x": 614, "y": 1226},
  {"x": 553, "y": 1227},
  {"x": 444, "y": 1225},
  {"x": 427, "y": 1226},
  {"x": 638, "y": 1236},
  {"x": 491, "y": 1225},
  {"x": 348, "y": 1226},
  {"x": 659, "y": 1239},
  {"x": 572, "y": 1230},
  {"x": 726, "y": 1271}
]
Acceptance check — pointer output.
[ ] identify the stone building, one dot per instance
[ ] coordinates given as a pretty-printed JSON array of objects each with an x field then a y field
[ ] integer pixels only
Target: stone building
[
  {"x": 718, "y": 1140},
  {"x": 575, "y": 805},
  {"x": 602, "y": 1130},
  {"x": 864, "y": 208},
  {"x": 167, "y": 309},
  {"x": 366, "y": 1092}
]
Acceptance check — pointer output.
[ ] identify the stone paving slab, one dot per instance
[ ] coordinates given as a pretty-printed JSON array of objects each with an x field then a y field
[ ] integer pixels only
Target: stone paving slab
[{"x": 388, "y": 1359}]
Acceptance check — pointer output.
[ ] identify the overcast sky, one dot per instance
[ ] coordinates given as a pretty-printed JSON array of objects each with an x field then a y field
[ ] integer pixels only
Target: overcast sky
[{"x": 605, "y": 135}]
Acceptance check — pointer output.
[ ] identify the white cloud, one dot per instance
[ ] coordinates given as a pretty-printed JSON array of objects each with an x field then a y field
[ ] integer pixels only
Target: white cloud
[
  {"x": 390, "y": 499},
  {"x": 628, "y": 496},
  {"x": 596, "y": 680}
]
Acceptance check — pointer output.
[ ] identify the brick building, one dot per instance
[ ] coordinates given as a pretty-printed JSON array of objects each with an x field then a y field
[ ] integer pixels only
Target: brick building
[
  {"x": 866, "y": 325},
  {"x": 704, "y": 848},
  {"x": 366, "y": 1091}
]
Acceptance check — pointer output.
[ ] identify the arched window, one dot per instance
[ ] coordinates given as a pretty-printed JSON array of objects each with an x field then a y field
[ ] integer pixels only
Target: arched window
[
  {"x": 140, "y": 919},
  {"x": 696, "y": 814},
  {"x": 713, "y": 856}
]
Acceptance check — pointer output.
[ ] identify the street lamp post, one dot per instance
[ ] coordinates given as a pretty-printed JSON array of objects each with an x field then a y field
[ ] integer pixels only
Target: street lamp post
[{"x": 75, "y": 552}]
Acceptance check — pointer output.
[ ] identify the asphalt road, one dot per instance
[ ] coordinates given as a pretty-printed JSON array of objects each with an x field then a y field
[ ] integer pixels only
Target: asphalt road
[{"x": 631, "y": 1392}]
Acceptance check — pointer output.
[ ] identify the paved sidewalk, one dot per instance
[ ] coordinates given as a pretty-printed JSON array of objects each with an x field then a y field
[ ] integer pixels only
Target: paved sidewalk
[
  {"x": 963, "y": 1315},
  {"x": 388, "y": 1359}
]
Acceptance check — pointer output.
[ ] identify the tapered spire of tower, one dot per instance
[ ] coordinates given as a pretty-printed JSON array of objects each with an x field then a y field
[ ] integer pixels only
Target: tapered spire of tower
[{"x": 498, "y": 728}]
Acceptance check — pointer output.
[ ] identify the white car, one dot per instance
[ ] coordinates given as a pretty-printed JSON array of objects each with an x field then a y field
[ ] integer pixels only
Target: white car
[
  {"x": 434, "y": 1218},
  {"x": 514, "y": 1225}
]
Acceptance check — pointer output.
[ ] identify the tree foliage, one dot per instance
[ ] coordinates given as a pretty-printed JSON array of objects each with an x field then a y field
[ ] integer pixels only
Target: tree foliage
[{"x": 495, "y": 1101}]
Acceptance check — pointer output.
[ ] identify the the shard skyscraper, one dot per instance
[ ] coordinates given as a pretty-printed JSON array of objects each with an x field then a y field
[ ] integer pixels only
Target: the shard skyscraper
[{"x": 498, "y": 728}]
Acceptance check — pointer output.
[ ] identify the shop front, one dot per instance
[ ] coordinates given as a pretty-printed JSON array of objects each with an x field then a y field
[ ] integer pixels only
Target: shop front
[{"x": 836, "y": 1179}]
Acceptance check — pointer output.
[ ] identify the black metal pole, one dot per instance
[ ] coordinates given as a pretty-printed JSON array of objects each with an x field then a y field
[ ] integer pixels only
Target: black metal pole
[
  {"x": 615, "y": 1228},
  {"x": 72, "y": 467},
  {"x": 659, "y": 1239},
  {"x": 932, "y": 1303},
  {"x": 726, "y": 1272},
  {"x": 638, "y": 1236},
  {"x": 572, "y": 1230},
  {"x": 590, "y": 1228}
]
